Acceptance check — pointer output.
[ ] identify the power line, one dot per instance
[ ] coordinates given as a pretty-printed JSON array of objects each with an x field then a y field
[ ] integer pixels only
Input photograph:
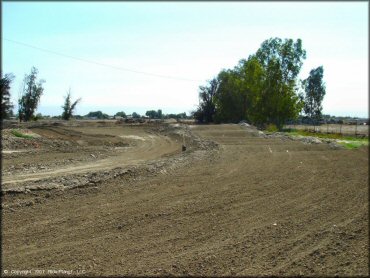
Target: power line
[{"x": 100, "y": 64}]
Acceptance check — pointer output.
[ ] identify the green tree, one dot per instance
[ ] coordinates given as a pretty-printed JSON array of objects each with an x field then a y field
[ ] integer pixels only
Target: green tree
[
  {"x": 69, "y": 107},
  {"x": 237, "y": 96},
  {"x": 282, "y": 61},
  {"x": 30, "y": 96},
  {"x": 315, "y": 92},
  {"x": 206, "y": 109},
  {"x": 262, "y": 89},
  {"x": 287, "y": 53},
  {"x": 97, "y": 114},
  {"x": 227, "y": 101},
  {"x": 135, "y": 115},
  {"x": 120, "y": 114},
  {"x": 159, "y": 114},
  {"x": 6, "y": 104},
  {"x": 38, "y": 116},
  {"x": 252, "y": 75},
  {"x": 181, "y": 116},
  {"x": 176, "y": 116},
  {"x": 151, "y": 114}
]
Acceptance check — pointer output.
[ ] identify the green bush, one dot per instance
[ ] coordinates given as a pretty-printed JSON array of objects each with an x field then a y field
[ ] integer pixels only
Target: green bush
[{"x": 272, "y": 128}]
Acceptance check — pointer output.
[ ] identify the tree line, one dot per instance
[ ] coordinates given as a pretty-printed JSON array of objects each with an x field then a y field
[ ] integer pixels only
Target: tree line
[
  {"x": 151, "y": 114},
  {"x": 263, "y": 89},
  {"x": 31, "y": 92}
]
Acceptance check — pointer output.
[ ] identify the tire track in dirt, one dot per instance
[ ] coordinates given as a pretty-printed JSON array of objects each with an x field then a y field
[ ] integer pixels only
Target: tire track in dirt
[{"x": 145, "y": 148}]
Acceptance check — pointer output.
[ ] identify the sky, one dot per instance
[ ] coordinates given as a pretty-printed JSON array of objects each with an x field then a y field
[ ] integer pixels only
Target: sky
[{"x": 139, "y": 56}]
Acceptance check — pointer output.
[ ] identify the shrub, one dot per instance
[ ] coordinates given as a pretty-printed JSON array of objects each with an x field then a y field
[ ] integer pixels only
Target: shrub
[{"x": 272, "y": 128}]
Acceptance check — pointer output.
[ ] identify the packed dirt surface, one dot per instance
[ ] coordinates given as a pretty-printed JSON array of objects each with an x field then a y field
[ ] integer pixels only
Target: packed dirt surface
[
  {"x": 89, "y": 148},
  {"x": 126, "y": 200}
]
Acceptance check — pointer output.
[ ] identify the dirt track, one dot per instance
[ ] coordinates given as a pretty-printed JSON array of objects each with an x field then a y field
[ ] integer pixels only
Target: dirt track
[
  {"x": 140, "y": 147},
  {"x": 252, "y": 206}
]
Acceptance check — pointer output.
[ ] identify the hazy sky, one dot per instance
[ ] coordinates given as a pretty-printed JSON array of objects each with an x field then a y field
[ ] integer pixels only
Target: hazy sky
[{"x": 186, "y": 40}]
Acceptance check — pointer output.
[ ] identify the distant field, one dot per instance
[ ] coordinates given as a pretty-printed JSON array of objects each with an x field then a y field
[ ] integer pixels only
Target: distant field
[{"x": 334, "y": 128}]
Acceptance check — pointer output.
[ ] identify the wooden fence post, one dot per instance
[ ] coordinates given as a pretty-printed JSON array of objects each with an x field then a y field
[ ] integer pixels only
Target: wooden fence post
[
  {"x": 327, "y": 127},
  {"x": 314, "y": 127}
]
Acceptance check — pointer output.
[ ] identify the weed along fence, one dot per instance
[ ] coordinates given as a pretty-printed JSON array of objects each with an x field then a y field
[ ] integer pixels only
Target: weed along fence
[{"x": 356, "y": 130}]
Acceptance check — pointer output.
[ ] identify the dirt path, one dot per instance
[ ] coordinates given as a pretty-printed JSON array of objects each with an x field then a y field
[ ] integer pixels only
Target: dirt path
[
  {"x": 256, "y": 207},
  {"x": 146, "y": 147},
  {"x": 142, "y": 147}
]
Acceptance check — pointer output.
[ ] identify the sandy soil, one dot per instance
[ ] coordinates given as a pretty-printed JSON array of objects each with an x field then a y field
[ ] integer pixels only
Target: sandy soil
[{"x": 244, "y": 205}]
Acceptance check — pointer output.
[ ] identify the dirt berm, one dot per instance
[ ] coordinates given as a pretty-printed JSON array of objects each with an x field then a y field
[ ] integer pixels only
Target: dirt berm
[{"x": 232, "y": 204}]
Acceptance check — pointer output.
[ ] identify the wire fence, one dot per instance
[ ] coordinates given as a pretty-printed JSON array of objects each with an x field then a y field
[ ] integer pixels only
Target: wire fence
[{"x": 357, "y": 130}]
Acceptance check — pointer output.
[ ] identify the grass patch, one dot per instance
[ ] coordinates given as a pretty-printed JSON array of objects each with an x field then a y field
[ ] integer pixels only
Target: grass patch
[
  {"x": 19, "y": 134},
  {"x": 349, "y": 142},
  {"x": 338, "y": 136},
  {"x": 353, "y": 145}
]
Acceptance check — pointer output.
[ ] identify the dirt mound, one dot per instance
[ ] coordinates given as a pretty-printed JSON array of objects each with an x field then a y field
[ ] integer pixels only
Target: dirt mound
[
  {"x": 83, "y": 157},
  {"x": 25, "y": 139}
]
